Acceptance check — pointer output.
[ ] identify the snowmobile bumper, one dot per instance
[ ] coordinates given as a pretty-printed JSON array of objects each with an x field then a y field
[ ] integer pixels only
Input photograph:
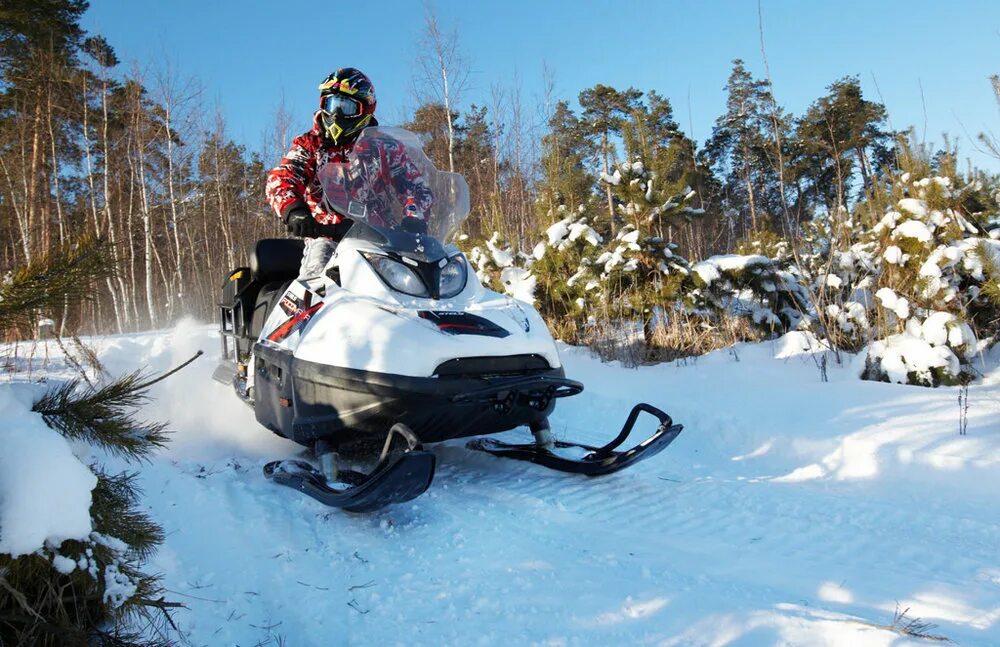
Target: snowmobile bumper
[{"x": 307, "y": 401}]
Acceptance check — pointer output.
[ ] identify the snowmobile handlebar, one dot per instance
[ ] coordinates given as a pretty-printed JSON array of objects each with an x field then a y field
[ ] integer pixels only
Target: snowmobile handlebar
[
  {"x": 339, "y": 230},
  {"x": 336, "y": 232}
]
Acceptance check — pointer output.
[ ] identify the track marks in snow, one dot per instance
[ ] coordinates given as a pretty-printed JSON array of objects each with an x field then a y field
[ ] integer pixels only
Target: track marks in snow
[
  {"x": 689, "y": 548},
  {"x": 739, "y": 532}
]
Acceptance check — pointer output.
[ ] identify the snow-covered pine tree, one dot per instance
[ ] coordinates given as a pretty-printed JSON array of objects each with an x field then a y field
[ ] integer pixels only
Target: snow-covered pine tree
[
  {"x": 910, "y": 281},
  {"x": 93, "y": 590}
]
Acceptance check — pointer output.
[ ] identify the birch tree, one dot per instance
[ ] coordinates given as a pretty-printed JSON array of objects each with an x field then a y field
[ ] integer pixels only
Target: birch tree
[{"x": 444, "y": 73}]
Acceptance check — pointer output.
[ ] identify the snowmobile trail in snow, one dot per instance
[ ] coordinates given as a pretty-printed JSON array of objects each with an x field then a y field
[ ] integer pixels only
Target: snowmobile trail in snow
[
  {"x": 501, "y": 545},
  {"x": 797, "y": 514}
]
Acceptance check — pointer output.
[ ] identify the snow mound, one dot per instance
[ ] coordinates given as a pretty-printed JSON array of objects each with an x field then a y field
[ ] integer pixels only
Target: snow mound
[{"x": 45, "y": 491}]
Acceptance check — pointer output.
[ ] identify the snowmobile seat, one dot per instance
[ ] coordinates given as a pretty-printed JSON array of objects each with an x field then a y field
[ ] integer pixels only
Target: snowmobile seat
[
  {"x": 239, "y": 293},
  {"x": 266, "y": 299},
  {"x": 276, "y": 259}
]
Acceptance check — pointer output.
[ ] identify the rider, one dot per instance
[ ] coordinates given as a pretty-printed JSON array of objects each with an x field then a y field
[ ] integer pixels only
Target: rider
[{"x": 294, "y": 190}]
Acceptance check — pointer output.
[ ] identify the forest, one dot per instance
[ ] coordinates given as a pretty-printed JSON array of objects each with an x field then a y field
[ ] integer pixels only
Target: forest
[
  {"x": 125, "y": 202},
  {"x": 604, "y": 211}
]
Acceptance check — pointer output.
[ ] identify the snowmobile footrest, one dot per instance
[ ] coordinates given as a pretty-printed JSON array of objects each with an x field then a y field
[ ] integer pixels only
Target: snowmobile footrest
[
  {"x": 599, "y": 460},
  {"x": 392, "y": 481}
]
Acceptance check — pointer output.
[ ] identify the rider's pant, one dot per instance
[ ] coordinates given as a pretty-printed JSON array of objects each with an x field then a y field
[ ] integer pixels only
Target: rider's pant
[{"x": 317, "y": 254}]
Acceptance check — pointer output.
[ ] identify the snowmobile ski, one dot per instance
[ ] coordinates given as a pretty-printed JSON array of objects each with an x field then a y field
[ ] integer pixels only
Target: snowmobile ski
[
  {"x": 395, "y": 479},
  {"x": 599, "y": 460}
]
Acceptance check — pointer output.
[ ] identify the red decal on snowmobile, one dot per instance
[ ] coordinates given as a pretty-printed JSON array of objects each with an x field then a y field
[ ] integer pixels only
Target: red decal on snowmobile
[
  {"x": 462, "y": 323},
  {"x": 291, "y": 304},
  {"x": 447, "y": 325},
  {"x": 290, "y": 326}
]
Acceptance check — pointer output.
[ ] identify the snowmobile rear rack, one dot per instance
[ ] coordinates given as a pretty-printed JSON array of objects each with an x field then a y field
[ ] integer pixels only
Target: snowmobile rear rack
[
  {"x": 599, "y": 460},
  {"x": 395, "y": 479}
]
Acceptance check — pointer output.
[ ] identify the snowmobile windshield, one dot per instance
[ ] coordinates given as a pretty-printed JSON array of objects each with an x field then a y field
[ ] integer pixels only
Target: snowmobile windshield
[{"x": 387, "y": 184}]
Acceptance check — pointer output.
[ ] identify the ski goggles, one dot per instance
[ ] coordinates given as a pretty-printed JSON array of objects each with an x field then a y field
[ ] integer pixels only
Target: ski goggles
[{"x": 338, "y": 103}]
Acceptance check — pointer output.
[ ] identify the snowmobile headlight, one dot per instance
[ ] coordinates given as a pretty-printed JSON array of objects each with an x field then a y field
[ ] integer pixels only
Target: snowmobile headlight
[
  {"x": 397, "y": 276},
  {"x": 453, "y": 277}
]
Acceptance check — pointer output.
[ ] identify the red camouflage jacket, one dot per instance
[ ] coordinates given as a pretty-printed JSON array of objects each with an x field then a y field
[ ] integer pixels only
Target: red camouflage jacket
[{"x": 295, "y": 181}]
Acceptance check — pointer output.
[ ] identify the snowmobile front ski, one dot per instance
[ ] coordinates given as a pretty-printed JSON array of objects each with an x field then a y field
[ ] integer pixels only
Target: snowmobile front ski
[
  {"x": 395, "y": 479},
  {"x": 599, "y": 460}
]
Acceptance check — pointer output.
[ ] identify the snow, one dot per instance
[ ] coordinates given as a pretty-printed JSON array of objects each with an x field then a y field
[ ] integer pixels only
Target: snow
[
  {"x": 615, "y": 179},
  {"x": 44, "y": 488},
  {"x": 894, "y": 255},
  {"x": 935, "y": 328},
  {"x": 791, "y": 510},
  {"x": 632, "y": 237},
  {"x": 519, "y": 283},
  {"x": 711, "y": 269},
  {"x": 64, "y": 565},
  {"x": 707, "y": 271},
  {"x": 585, "y": 231},
  {"x": 118, "y": 586},
  {"x": 736, "y": 262},
  {"x": 914, "y": 206},
  {"x": 905, "y": 353},
  {"x": 930, "y": 269},
  {"x": 893, "y": 302},
  {"x": 502, "y": 257},
  {"x": 913, "y": 229},
  {"x": 557, "y": 232}
]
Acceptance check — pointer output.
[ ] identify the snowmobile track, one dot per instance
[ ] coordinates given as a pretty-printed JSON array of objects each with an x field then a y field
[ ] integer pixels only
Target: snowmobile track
[{"x": 763, "y": 521}]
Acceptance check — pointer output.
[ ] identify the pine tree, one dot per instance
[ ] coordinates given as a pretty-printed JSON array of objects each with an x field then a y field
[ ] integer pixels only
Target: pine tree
[
  {"x": 430, "y": 122},
  {"x": 106, "y": 598},
  {"x": 59, "y": 279},
  {"x": 742, "y": 151},
  {"x": 605, "y": 110},
  {"x": 841, "y": 137},
  {"x": 565, "y": 181}
]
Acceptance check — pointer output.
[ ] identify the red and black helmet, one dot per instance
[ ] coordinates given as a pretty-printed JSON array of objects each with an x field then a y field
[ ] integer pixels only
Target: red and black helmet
[{"x": 346, "y": 104}]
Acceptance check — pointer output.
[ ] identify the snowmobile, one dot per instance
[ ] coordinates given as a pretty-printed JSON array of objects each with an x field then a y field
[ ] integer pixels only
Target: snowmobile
[{"x": 397, "y": 344}]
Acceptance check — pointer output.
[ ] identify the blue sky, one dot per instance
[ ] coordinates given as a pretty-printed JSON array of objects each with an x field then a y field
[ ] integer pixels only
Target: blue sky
[{"x": 247, "y": 54}]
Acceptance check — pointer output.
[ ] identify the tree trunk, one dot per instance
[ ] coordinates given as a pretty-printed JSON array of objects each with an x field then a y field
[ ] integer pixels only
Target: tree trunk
[
  {"x": 144, "y": 213},
  {"x": 179, "y": 273},
  {"x": 119, "y": 296},
  {"x": 447, "y": 114},
  {"x": 607, "y": 187}
]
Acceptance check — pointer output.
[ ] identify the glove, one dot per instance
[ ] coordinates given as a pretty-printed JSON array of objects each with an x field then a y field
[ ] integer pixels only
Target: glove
[
  {"x": 300, "y": 222},
  {"x": 412, "y": 222},
  {"x": 412, "y": 225}
]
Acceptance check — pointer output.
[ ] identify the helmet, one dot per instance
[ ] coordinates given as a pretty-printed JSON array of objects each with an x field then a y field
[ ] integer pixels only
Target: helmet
[{"x": 346, "y": 104}]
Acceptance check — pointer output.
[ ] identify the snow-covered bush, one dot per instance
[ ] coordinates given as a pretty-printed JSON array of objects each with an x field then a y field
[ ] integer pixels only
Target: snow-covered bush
[
  {"x": 502, "y": 269},
  {"x": 909, "y": 283},
  {"x": 72, "y": 537},
  {"x": 754, "y": 287},
  {"x": 583, "y": 274},
  {"x": 930, "y": 262},
  {"x": 562, "y": 263}
]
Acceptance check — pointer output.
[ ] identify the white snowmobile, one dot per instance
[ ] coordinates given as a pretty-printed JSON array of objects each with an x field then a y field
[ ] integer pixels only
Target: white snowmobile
[{"x": 396, "y": 344}]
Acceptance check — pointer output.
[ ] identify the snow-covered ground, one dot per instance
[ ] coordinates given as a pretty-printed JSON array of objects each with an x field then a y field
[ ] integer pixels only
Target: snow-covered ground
[{"x": 790, "y": 511}]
